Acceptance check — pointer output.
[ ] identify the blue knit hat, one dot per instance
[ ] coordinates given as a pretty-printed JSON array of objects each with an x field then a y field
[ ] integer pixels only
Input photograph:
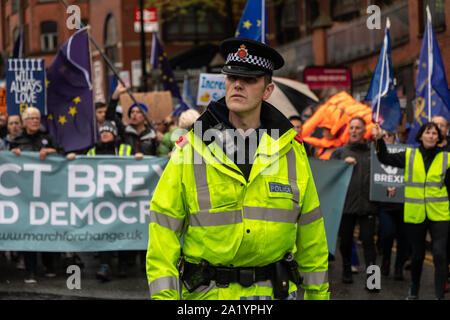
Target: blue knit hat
[{"x": 134, "y": 105}]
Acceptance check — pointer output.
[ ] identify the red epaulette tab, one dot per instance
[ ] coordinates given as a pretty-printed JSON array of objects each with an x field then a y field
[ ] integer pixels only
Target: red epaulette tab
[
  {"x": 181, "y": 141},
  {"x": 299, "y": 138}
]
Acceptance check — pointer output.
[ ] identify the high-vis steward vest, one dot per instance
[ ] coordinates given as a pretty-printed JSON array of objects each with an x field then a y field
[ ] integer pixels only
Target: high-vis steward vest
[
  {"x": 124, "y": 150},
  {"x": 426, "y": 195},
  {"x": 231, "y": 222}
]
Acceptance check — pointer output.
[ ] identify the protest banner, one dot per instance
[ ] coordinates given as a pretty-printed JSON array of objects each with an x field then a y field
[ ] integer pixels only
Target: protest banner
[
  {"x": 159, "y": 104},
  {"x": 102, "y": 203},
  {"x": 87, "y": 204},
  {"x": 25, "y": 83},
  {"x": 383, "y": 176},
  {"x": 331, "y": 178},
  {"x": 211, "y": 87}
]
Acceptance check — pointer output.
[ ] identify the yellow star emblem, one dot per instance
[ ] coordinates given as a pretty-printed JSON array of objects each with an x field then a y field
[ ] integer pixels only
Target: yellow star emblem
[
  {"x": 170, "y": 80},
  {"x": 258, "y": 23},
  {"x": 47, "y": 83},
  {"x": 247, "y": 24},
  {"x": 236, "y": 34},
  {"x": 50, "y": 116},
  {"x": 160, "y": 58},
  {"x": 77, "y": 100},
  {"x": 73, "y": 111},
  {"x": 62, "y": 119},
  {"x": 164, "y": 77}
]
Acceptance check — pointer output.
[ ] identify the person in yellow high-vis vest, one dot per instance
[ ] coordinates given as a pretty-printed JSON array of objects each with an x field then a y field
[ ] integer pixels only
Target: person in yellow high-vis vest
[
  {"x": 426, "y": 207},
  {"x": 239, "y": 195}
]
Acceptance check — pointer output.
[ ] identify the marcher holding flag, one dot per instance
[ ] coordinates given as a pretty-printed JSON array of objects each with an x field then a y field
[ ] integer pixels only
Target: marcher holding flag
[
  {"x": 432, "y": 95},
  {"x": 382, "y": 91}
]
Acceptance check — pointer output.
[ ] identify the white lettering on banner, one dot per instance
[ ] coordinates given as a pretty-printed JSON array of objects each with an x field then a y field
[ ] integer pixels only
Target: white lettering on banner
[
  {"x": 34, "y": 221},
  {"x": 113, "y": 212},
  {"x": 9, "y": 192},
  {"x": 37, "y": 170},
  {"x": 56, "y": 213},
  {"x": 381, "y": 177},
  {"x": 132, "y": 181},
  {"x": 15, "y": 212},
  {"x": 121, "y": 214},
  {"x": 74, "y": 181},
  {"x": 75, "y": 212},
  {"x": 113, "y": 181}
]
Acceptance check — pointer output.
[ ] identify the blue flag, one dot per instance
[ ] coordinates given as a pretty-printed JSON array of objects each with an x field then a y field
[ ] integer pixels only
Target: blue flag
[
  {"x": 253, "y": 23},
  {"x": 18, "y": 45},
  {"x": 159, "y": 60},
  {"x": 431, "y": 97},
  {"x": 389, "y": 113},
  {"x": 70, "y": 106}
]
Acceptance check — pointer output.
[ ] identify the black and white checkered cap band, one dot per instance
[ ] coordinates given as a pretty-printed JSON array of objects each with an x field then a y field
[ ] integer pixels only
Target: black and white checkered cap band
[{"x": 254, "y": 60}]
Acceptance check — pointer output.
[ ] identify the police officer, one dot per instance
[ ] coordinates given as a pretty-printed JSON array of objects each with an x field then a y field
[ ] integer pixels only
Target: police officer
[{"x": 239, "y": 189}]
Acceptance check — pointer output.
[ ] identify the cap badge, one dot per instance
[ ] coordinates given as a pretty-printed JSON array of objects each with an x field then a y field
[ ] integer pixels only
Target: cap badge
[{"x": 242, "y": 52}]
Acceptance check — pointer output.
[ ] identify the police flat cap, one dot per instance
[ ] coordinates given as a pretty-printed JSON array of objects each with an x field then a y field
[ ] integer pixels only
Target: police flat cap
[{"x": 249, "y": 58}]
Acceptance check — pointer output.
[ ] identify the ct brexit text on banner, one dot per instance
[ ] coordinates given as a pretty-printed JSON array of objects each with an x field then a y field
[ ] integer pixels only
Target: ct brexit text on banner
[
  {"x": 87, "y": 204},
  {"x": 25, "y": 83}
]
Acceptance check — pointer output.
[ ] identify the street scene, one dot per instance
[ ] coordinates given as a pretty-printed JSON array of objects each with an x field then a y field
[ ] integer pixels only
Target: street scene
[{"x": 224, "y": 150}]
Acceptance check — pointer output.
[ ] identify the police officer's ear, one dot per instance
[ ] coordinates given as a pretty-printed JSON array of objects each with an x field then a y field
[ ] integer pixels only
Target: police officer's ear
[{"x": 268, "y": 90}]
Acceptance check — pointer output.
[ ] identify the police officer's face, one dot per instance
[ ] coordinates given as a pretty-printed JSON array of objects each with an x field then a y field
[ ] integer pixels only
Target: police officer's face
[{"x": 243, "y": 94}]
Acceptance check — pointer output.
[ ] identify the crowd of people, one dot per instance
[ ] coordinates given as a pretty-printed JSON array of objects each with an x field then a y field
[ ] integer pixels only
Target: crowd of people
[
  {"x": 136, "y": 138},
  {"x": 380, "y": 223}
]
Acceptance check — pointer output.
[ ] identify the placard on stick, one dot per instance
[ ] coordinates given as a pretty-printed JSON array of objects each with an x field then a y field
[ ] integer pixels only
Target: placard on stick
[{"x": 159, "y": 104}]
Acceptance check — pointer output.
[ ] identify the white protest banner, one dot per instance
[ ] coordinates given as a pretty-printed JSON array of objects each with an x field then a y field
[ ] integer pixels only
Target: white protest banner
[{"x": 211, "y": 87}]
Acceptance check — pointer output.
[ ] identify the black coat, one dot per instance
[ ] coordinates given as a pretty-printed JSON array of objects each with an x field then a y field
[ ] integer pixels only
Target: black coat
[
  {"x": 36, "y": 142},
  {"x": 358, "y": 192}
]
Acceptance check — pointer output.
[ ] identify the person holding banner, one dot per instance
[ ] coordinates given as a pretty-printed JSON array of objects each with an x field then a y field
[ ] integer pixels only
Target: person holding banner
[
  {"x": 32, "y": 138},
  {"x": 426, "y": 208},
  {"x": 357, "y": 207},
  {"x": 248, "y": 210}
]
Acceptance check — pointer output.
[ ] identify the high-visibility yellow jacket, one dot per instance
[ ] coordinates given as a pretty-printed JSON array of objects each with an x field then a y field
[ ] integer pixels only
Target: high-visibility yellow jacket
[
  {"x": 231, "y": 222},
  {"x": 124, "y": 150},
  {"x": 426, "y": 194}
]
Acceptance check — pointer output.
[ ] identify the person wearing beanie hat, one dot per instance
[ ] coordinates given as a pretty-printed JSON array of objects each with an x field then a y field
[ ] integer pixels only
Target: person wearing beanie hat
[
  {"x": 239, "y": 187},
  {"x": 141, "y": 137}
]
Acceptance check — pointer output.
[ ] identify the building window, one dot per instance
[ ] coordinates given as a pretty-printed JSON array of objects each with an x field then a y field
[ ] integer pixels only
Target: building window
[
  {"x": 15, "y": 6},
  {"x": 193, "y": 27},
  {"x": 49, "y": 36},
  {"x": 437, "y": 10},
  {"x": 345, "y": 10},
  {"x": 288, "y": 21}
]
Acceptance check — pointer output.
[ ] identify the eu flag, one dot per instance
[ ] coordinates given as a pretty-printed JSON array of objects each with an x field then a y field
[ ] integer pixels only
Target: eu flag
[
  {"x": 70, "y": 108},
  {"x": 159, "y": 60},
  {"x": 383, "y": 86},
  {"x": 432, "y": 97},
  {"x": 253, "y": 24}
]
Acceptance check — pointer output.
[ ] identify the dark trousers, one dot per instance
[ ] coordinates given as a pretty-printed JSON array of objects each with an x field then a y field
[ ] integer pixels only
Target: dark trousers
[
  {"x": 30, "y": 260},
  {"x": 367, "y": 232},
  {"x": 392, "y": 227},
  {"x": 439, "y": 235}
]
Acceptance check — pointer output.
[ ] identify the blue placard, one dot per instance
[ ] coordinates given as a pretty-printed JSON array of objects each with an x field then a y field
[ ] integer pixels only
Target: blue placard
[{"x": 25, "y": 85}]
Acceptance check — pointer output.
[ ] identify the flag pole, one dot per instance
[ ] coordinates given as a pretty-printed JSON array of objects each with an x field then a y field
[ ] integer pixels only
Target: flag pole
[
  {"x": 388, "y": 25},
  {"x": 430, "y": 60},
  {"x": 263, "y": 21},
  {"x": 113, "y": 69}
]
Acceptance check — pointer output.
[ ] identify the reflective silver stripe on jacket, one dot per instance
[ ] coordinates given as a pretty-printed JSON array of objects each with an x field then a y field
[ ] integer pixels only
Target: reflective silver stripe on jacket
[
  {"x": 429, "y": 199},
  {"x": 436, "y": 184},
  {"x": 163, "y": 283},
  {"x": 309, "y": 217},
  {"x": 201, "y": 181},
  {"x": 292, "y": 175},
  {"x": 166, "y": 221},
  {"x": 270, "y": 214},
  {"x": 318, "y": 277},
  {"x": 209, "y": 219}
]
